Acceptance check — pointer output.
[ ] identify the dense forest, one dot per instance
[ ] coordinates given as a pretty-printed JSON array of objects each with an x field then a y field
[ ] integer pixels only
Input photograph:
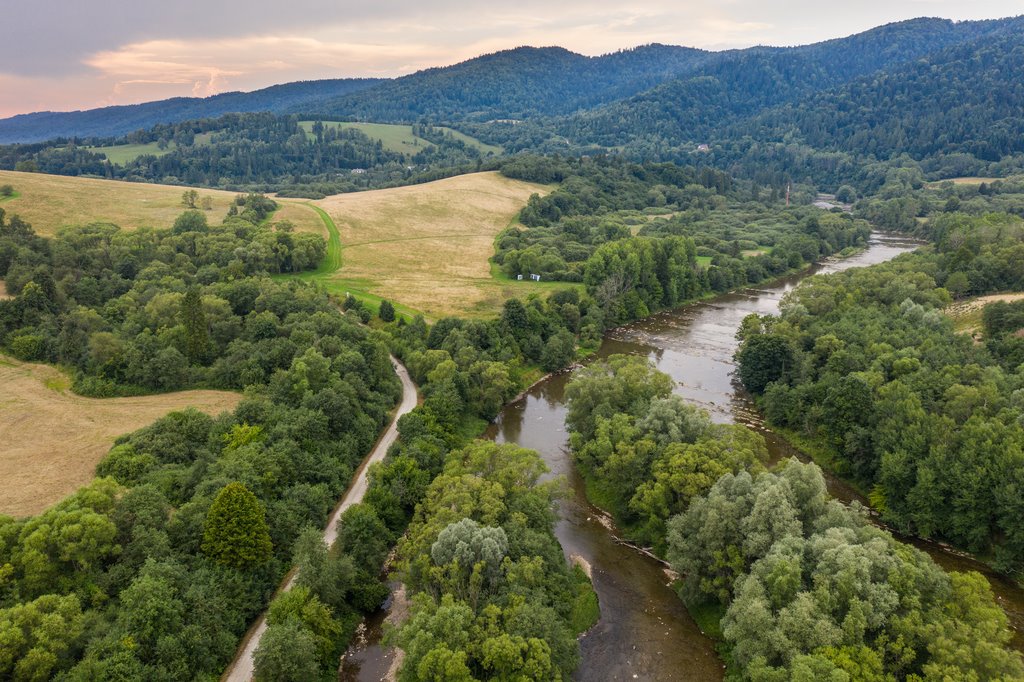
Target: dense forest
[
  {"x": 156, "y": 569},
  {"x": 253, "y": 152},
  {"x": 814, "y": 113},
  {"x": 805, "y": 587},
  {"x": 584, "y": 232},
  {"x": 865, "y": 365},
  {"x": 676, "y": 174}
]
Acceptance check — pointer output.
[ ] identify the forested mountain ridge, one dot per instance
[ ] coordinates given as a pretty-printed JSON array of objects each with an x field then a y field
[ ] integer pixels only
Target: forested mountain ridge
[
  {"x": 510, "y": 83},
  {"x": 119, "y": 120},
  {"x": 738, "y": 84},
  {"x": 966, "y": 99},
  {"x": 518, "y": 83},
  {"x": 625, "y": 87}
]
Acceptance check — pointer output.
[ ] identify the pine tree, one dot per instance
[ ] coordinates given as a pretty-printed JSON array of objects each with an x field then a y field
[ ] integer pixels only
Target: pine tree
[
  {"x": 197, "y": 336},
  {"x": 235, "y": 533},
  {"x": 387, "y": 311}
]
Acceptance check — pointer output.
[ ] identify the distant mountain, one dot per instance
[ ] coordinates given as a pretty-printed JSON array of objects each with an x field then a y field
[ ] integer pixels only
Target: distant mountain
[
  {"x": 738, "y": 84},
  {"x": 518, "y": 84},
  {"x": 119, "y": 120},
  {"x": 928, "y": 87},
  {"x": 966, "y": 99}
]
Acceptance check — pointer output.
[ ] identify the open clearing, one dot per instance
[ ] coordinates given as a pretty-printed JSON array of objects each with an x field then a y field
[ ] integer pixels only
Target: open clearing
[
  {"x": 52, "y": 439},
  {"x": 966, "y": 314},
  {"x": 50, "y": 202},
  {"x": 126, "y": 153},
  {"x": 427, "y": 246},
  {"x": 965, "y": 180},
  {"x": 400, "y": 138}
]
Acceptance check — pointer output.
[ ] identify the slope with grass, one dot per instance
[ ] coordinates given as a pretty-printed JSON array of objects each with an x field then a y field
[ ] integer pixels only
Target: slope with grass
[
  {"x": 402, "y": 138},
  {"x": 427, "y": 246},
  {"x": 51, "y": 439},
  {"x": 49, "y": 202},
  {"x": 126, "y": 153}
]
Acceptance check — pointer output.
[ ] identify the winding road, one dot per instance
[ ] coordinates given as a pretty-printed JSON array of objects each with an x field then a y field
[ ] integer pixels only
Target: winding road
[{"x": 242, "y": 668}]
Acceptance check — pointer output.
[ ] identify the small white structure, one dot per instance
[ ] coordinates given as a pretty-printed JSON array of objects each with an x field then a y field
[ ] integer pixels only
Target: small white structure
[
  {"x": 358, "y": 171},
  {"x": 703, "y": 148},
  {"x": 535, "y": 278},
  {"x": 519, "y": 277}
]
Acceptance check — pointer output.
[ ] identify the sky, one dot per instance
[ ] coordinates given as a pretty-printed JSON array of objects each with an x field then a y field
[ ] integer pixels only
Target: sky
[{"x": 62, "y": 55}]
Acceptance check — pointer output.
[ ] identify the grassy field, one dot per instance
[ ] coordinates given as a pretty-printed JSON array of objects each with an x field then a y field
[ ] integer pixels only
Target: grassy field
[
  {"x": 126, "y": 153},
  {"x": 966, "y": 314},
  {"x": 395, "y": 138},
  {"x": 400, "y": 138},
  {"x": 427, "y": 246},
  {"x": 965, "y": 180},
  {"x": 49, "y": 202},
  {"x": 52, "y": 439},
  {"x": 302, "y": 215}
]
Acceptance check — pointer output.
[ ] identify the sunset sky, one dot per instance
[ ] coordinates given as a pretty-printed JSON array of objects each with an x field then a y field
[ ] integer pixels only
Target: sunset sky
[{"x": 71, "y": 54}]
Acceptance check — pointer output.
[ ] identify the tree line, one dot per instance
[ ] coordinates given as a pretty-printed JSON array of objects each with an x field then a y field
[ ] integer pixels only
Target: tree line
[
  {"x": 804, "y": 587},
  {"x": 155, "y": 570}
]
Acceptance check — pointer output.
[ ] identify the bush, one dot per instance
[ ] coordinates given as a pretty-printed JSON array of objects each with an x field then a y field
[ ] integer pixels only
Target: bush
[
  {"x": 387, "y": 311},
  {"x": 28, "y": 347}
]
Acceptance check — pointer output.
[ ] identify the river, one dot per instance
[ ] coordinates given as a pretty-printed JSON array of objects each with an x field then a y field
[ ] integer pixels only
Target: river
[{"x": 645, "y": 632}]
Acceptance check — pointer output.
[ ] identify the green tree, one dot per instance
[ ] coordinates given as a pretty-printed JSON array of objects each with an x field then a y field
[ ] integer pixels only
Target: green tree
[
  {"x": 558, "y": 351},
  {"x": 190, "y": 221},
  {"x": 299, "y": 605},
  {"x": 364, "y": 537},
  {"x": 235, "y": 532},
  {"x": 197, "y": 333},
  {"x": 386, "y": 311},
  {"x": 36, "y": 637},
  {"x": 287, "y": 653},
  {"x": 763, "y": 358}
]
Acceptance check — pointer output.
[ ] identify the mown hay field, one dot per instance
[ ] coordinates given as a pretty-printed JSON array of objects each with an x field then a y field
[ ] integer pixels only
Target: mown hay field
[
  {"x": 50, "y": 202},
  {"x": 400, "y": 138},
  {"x": 428, "y": 246},
  {"x": 51, "y": 439}
]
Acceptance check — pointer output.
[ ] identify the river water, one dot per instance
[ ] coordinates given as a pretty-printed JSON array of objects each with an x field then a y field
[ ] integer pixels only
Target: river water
[{"x": 645, "y": 632}]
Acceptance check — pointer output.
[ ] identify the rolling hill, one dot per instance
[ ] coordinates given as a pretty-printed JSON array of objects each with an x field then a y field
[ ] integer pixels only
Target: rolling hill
[
  {"x": 528, "y": 82},
  {"x": 742, "y": 83},
  {"x": 119, "y": 120}
]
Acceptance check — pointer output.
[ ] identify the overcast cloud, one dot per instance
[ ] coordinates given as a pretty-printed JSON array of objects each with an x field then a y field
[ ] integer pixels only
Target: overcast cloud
[{"x": 79, "y": 54}]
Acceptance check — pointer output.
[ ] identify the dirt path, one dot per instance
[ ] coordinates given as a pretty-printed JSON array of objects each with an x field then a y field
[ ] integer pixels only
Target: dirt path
[{"x": 242, "y": 668}]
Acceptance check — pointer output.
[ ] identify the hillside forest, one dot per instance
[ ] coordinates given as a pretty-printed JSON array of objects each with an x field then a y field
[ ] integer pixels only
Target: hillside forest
[{"x": 667, "y": 176}]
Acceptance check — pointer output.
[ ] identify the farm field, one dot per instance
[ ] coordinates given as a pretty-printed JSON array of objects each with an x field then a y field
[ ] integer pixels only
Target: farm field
[
  {"x": 395, "y": 138},
  {"x": 50, "y": 202},
  {"x": 52, "y": 439},
  {"x": 966, "y": 313},
  {"x": 126, "y": 153},
  {"x": 400, "y": 138},
  {"x": 966, "y": 180},
  {"x": 427, "y": 246}
]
